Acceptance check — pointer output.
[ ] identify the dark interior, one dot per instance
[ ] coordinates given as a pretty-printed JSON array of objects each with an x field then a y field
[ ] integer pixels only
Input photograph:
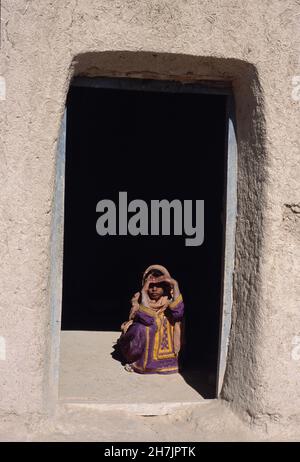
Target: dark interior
[{"x": 154, "y": 145}]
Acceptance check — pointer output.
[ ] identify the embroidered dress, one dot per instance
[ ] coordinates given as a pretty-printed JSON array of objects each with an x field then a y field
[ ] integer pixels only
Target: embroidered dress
[{"x": 148, "y": 344}]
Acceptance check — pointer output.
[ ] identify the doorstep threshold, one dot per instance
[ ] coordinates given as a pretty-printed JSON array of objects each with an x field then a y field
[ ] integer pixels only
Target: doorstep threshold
[{"x": 146, "y": 409}]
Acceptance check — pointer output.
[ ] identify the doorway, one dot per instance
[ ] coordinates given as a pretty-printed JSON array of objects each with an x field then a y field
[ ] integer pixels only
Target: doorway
[{"x": 154, "y": 140}]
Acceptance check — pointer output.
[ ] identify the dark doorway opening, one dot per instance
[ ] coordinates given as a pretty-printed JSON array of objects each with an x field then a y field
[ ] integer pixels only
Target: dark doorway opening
[{"x": 154, "y": 145}]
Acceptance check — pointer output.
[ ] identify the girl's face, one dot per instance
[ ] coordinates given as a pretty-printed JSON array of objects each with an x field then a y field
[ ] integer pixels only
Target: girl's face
[{"x": 155, "y": 291}]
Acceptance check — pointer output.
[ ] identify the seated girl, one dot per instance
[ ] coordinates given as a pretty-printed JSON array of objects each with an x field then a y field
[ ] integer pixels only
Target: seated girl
[{"x": 153, "y": 336}]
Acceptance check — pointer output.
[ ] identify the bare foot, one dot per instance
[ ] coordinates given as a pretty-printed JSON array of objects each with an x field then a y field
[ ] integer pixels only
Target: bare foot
[{"x": 128, "y": 368}]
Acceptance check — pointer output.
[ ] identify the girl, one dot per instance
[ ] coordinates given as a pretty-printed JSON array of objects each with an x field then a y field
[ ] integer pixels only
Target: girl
[{"x": 153, "y": 336}]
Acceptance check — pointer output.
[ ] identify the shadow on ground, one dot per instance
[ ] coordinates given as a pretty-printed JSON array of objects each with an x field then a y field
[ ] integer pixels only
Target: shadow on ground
[{"x": 200, "y": 379}]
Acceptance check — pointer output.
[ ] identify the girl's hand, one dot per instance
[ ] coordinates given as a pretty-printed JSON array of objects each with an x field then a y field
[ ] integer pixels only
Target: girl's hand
[
  {"x": 125, "y": 325},
  {"x": 173, "y": 283},
  {"x": 135, "y": 298},
  {"x": 134, "y": 305},
  {"x": 145, "y": 288},
  {"x": 167, "y": 279}
]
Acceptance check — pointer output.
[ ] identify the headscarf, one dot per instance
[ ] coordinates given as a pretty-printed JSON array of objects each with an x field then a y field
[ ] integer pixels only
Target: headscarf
[{"x": 162, "y": 304}]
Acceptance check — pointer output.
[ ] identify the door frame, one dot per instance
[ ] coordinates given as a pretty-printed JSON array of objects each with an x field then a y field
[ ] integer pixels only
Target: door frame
[{"x": 229, "y": 218}]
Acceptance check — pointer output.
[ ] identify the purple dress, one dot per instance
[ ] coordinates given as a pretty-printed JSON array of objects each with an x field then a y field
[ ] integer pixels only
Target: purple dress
[{"x": 148, "y": 344}]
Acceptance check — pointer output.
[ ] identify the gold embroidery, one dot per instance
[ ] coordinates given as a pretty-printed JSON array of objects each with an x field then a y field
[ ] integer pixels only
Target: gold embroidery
[
  {"x": 147, "y": 347},
  {"x": 156, "y": 338},
  {"x": 176, "y": 301},
  {"x": 158, "y": 352},
  {"x": 169, "y": 333},
  {"x": 163, "y": 353},
  {"x": 147, "y": 310},
  {"x": 156, "y": 369}
]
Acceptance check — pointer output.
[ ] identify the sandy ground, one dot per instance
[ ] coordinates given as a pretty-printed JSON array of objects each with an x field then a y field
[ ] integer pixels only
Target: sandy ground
[
  {"x": 100, "y": 401},
  {"x": 90, "y": 375},
  {"x": 212, "y": 422},
  {"x": 93, "y": 425}
]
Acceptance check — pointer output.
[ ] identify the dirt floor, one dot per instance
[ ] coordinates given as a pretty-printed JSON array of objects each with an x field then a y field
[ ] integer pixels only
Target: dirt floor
[
  {"x": 211, "y": 422},
  {"x": 100, "y": 401},
  {"x": 89, "y": 374}
]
